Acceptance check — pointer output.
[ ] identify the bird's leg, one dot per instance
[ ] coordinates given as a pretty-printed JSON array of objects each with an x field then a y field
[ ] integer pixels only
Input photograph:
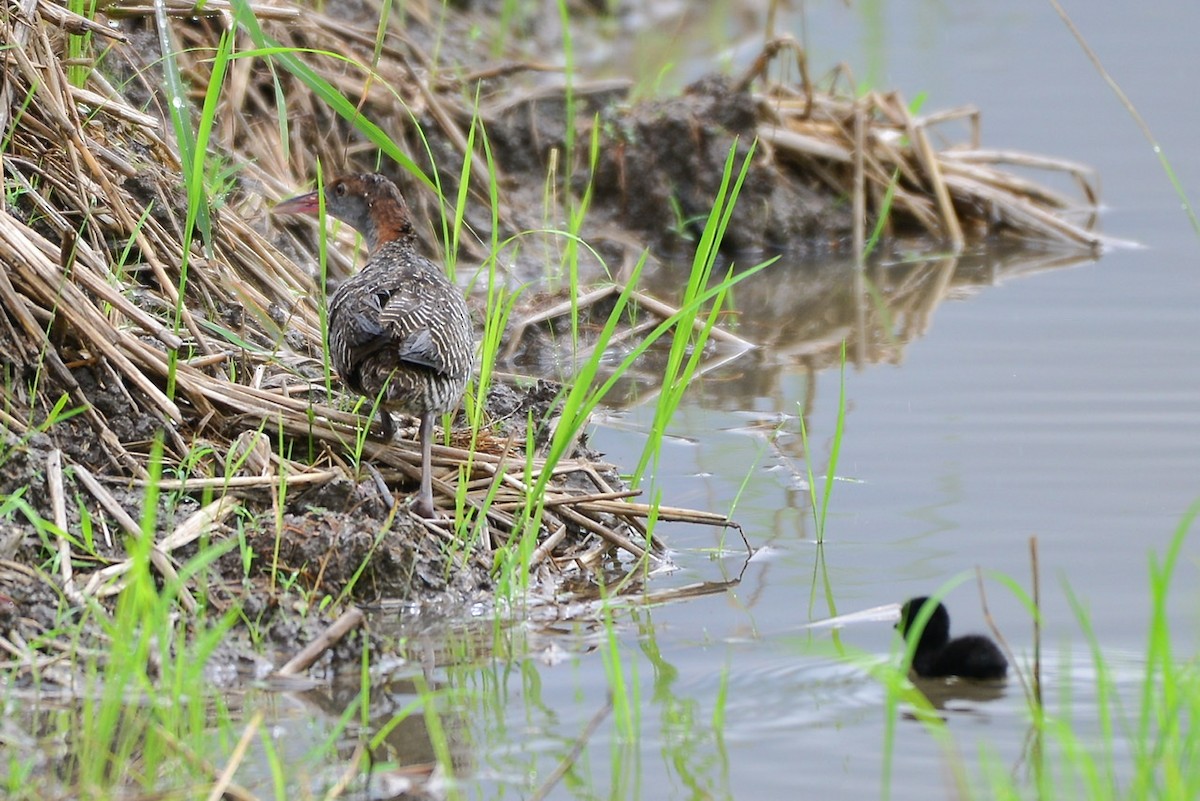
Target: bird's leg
[
  {"x": 389, "y": 425},
  {"x": 424, "y": 503}
]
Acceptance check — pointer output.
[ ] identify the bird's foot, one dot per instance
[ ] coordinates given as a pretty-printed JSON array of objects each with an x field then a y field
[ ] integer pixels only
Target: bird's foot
[{"x": 423, "y": 507}]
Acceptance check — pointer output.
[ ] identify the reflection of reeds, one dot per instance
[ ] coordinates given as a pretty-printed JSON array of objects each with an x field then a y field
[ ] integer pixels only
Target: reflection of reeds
[
  {"x": 800, "y": 312},
  {"x": 877, "y": 311}
]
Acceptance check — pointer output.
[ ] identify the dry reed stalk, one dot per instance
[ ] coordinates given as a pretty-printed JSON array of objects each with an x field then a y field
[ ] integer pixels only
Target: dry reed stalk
[
  {"x": 224, "y": 783},
  {"x": 820, "y": 130},
  {"x": 546, "y": 546}
]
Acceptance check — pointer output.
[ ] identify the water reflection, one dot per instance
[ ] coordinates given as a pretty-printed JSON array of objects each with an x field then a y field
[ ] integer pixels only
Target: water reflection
[
  {"x": 959, "y": 695},
  {"x": 492, "y": 716},
  {"x": 630, "y": 710},
  {"x": 800, "y": 312},
  {"x": 796, "y": 312},
  {"x": 385, "y": 745}
]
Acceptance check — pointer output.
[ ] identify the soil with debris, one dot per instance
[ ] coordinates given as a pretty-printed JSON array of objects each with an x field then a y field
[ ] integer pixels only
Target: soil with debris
[
  {"x": 663, "y": 162},
  {"x": 341, "y": 539}
]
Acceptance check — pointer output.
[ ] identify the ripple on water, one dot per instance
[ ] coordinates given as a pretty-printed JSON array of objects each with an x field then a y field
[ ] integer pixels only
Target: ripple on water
[
  {"x": 797, "y": 694},
  {"x": 790, "y": 693}
]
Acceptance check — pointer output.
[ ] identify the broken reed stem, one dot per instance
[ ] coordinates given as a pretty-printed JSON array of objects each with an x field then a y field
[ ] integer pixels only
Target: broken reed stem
[
  {"x": 58, "y": 506},
  {"x": 573, "y": 755},
  {"x": 236, "y": 482},
  {"x": 999, "y": 635},
  {"x": 109, "y": 503},
  {"x": 349, "y": 620},
  {"x": 232, "y": 790},
  {"x": 202, "y": 520},
  {"x": 1035, "y": 569},
  {"x": 221, "y": 786},
  {"x": 860, "y": 186},
  {"x": 547, "y": 545},
  {"x": 20, "y": 39}
]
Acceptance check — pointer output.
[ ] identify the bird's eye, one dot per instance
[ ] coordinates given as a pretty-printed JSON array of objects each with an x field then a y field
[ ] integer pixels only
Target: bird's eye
[{"x": 339, "y": 189}]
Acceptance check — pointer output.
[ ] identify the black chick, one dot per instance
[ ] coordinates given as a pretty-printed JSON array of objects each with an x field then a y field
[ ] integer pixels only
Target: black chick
[{"x": 972, "y": 656}]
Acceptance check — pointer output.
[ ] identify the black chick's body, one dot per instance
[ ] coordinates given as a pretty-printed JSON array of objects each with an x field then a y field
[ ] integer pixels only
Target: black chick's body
[
  {"x": 971, "y": 656},
  {"x": 398, "y": 329}
]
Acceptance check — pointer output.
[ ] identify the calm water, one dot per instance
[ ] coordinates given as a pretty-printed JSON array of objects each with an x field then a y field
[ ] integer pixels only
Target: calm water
[{"x": 1064, "y": 403}]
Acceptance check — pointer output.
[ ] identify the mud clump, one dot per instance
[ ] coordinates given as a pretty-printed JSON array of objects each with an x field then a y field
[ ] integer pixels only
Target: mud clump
[
  {"x": 23, "y": 462},
  {"x": 511, "y": 409},
  {"x": 662, "y": 163},
  {"x": 368, "y": 558},
  {"x": 667, "y": 162}
]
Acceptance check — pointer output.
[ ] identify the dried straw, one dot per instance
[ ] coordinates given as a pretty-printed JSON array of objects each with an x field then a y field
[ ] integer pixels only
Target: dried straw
[{"x": 941, "y": 190}]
